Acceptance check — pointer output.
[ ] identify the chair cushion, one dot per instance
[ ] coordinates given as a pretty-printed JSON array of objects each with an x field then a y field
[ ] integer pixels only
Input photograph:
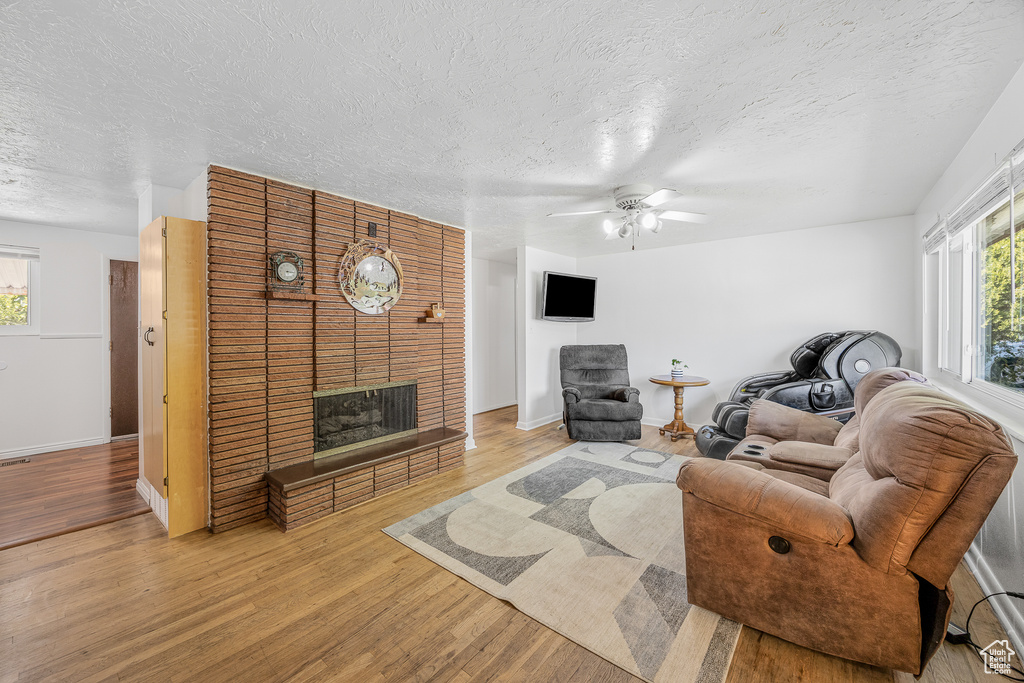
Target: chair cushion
[
  {"x": 875, "y": 381},
  {"x": 604, "y": 409},
  {"x": 598, "y": 390},
  {"x": 849, "y": 435},
  {"x": 812, "y": 454},
  {"x": 804, "y": 481},
  {"x": 593, "y": 364}
]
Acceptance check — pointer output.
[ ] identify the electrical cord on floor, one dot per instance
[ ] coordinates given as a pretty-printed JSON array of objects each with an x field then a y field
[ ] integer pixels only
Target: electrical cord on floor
[{"x": 966, "y": 638}]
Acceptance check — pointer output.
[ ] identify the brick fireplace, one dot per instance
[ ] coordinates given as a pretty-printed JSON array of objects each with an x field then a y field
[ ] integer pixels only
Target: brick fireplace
[{"x": 271, "y": 358}]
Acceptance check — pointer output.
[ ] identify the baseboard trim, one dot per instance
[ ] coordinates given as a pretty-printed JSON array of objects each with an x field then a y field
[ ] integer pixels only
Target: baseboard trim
[
  {"x": 124, "y": 437},
  {"x": 1010, "y": 616},
  {"x": 157, "y": 503},
  {"x": 540, "y": 422},
  {"x": 51, "y": 447},
  {"x": 496, "y": 406}
]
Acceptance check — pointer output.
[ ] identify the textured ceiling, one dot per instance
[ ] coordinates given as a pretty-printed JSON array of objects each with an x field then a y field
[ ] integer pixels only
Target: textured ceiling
[{"x": 767, "y": 115}]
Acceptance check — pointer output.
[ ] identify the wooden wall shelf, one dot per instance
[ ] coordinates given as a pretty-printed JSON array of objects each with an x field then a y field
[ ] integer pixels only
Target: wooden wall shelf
[{"x": 291, "y": 296}]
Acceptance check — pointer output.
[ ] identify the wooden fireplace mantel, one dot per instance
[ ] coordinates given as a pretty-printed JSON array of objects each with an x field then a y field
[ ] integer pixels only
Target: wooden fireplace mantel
[{"x": 303, "y": 474}]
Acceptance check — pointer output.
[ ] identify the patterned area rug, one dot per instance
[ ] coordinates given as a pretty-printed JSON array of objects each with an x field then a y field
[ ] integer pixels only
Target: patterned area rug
[{"x": 589, "y": 542}]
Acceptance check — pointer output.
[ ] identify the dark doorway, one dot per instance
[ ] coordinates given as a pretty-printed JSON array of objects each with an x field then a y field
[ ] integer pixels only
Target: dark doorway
[{"x": 124, "y": 348}]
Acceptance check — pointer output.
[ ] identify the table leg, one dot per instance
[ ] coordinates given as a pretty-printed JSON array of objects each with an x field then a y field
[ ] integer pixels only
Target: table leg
[{"x": 677, "y": 428}]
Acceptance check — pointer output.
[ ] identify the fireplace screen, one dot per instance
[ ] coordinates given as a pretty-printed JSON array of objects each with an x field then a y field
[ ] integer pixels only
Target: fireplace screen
[{"x": 344, "y": 419}]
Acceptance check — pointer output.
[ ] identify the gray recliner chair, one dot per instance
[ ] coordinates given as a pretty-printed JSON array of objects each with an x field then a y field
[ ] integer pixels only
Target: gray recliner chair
[{"x": 599, "y": 403}]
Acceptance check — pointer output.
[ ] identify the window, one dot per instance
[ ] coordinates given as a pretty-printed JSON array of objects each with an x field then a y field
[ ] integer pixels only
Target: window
[
  {"x": 978, "y": 319},
  {"x": 1000, "y": 357},
  {"x": 19, "y": 272}
]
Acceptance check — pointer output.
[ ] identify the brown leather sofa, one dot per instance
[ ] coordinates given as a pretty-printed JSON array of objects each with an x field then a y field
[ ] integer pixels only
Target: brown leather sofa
[{"x": 858, "y": 566}]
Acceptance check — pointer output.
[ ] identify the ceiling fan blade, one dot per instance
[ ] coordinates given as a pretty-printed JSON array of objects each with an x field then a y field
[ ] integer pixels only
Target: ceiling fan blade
[
  {"x": 660, "y": 197},
  {"x": 685, "y": 216},
  {"x": 583, "y": 213},
  {"x": 613, "y": 235}
]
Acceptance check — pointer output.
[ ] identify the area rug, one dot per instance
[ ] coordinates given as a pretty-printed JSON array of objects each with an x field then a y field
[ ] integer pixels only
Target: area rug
[{"x": 589, "y": 542}]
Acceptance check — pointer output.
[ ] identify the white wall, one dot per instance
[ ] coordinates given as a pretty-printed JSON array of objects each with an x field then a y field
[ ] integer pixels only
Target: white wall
[
  {"x": 997, "y": 555},
  {"x": 494, "y": 334},
  {"x": 56, "y": 387},
  {"x": 732, "y": 308},
  {"x": 537, "y": 385},
  {"x": 999, "y": 132}
]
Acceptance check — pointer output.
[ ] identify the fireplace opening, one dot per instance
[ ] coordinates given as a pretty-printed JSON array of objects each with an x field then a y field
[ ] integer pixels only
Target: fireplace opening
[{"x": 344, "y": 419}]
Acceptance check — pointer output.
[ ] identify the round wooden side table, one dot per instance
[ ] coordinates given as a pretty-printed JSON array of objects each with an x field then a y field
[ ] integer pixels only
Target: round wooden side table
[{"x": 677, "y": 428}]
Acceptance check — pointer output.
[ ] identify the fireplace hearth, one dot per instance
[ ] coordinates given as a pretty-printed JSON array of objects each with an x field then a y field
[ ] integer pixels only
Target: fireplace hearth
[{"x": 344, "y": 419}]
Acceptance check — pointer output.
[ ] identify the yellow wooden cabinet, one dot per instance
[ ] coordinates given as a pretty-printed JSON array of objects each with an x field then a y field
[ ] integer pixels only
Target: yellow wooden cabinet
[{"x": 172, "y": 275}]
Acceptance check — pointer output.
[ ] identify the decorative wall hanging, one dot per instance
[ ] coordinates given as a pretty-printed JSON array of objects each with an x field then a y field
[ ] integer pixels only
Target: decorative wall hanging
[{"x": 370, "y": 277}]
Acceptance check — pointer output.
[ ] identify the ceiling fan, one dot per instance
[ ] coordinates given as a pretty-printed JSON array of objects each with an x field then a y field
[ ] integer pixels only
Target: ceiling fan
[{"x": 638, "y": 205}]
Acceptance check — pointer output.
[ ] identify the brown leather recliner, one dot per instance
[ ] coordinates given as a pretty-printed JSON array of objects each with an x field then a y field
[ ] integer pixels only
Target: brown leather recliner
[{"x": 861, "y": 570}]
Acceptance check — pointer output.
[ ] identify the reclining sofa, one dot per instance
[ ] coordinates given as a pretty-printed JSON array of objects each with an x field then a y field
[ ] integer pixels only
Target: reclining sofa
[{"x": 854, "y": 561}]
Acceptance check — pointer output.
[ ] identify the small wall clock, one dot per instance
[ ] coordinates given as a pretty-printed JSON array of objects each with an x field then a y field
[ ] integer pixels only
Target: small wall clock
[
  {"x": 370, "y": 277},
  {"x": 286, "y": 271}
]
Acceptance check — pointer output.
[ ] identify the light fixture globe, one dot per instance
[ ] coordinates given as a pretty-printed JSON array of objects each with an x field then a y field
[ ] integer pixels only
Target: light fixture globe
[
  {"x": 609, "y": 226},
  {"x": 649, "y": 220},
  {"x": 626, "y": 230}
]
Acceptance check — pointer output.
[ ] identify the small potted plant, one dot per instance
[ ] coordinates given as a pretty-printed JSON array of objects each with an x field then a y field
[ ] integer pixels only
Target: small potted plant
[{"x": 678, "y": 368}]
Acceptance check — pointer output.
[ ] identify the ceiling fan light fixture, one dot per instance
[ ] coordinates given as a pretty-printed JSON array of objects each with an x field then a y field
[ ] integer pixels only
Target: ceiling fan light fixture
[
  {"x": 609, "y": 226},
  {"x": 657, "y": 227},
  {"x": 626, "y": 230},
  {"x": 649, "y": 220}
]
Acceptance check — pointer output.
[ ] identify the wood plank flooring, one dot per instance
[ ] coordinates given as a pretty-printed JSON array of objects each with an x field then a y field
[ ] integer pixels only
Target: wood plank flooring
[
  {"x": 65, "y": 491},
  {"x": 337, "y": 600}
]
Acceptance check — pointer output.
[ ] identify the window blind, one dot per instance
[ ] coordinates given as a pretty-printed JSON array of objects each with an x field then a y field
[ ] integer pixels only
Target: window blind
[
  {"x": 19, "y": 253},
  {"x": 990, "y": 195},
  {"x": 935, "y": 236},
  {"x": 1017, "y": 168}
]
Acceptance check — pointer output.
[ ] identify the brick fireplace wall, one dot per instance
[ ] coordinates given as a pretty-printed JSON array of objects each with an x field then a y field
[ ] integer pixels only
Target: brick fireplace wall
[{"x": 267, "y": 356}]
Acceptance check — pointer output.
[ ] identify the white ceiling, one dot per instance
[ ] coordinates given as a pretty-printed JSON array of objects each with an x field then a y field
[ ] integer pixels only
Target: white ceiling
[{"x": 767, "y": 115}]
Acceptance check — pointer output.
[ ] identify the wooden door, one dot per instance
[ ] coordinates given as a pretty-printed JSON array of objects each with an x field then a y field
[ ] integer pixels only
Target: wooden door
[
  {"x": 185, "y": 375},
  {"x": 151, "y": 346},
  {"x": 124, "y": 348}
]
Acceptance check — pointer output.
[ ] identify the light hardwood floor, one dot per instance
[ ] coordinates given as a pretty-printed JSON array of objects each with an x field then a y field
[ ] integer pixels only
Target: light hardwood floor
[{"x": 337, "y": 600}]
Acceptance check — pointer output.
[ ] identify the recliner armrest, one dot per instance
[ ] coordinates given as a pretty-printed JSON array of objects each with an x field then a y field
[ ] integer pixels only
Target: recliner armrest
[
  {"x": 627, "y": 394},
  {"x": 783, "y": 423},
  {"x": 810, "y": 454},
  {"x": 760, "y": 496},
  {"x": 571, "y": 395}
]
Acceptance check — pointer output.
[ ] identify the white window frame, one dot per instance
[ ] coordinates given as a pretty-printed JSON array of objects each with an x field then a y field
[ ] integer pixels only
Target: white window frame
[
  {"x": 31, "y": 255},
  {"x": 970, "y": 314},
  {"x": 995, "y": 390}
]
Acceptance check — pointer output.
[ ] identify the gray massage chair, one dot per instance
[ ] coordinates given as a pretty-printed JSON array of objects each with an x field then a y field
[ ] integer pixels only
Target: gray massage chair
[{"x": 826, "y": 370}]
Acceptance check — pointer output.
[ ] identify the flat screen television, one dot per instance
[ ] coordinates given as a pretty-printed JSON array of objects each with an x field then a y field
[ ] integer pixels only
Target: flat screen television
[{"x": 569, "y": 298}]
